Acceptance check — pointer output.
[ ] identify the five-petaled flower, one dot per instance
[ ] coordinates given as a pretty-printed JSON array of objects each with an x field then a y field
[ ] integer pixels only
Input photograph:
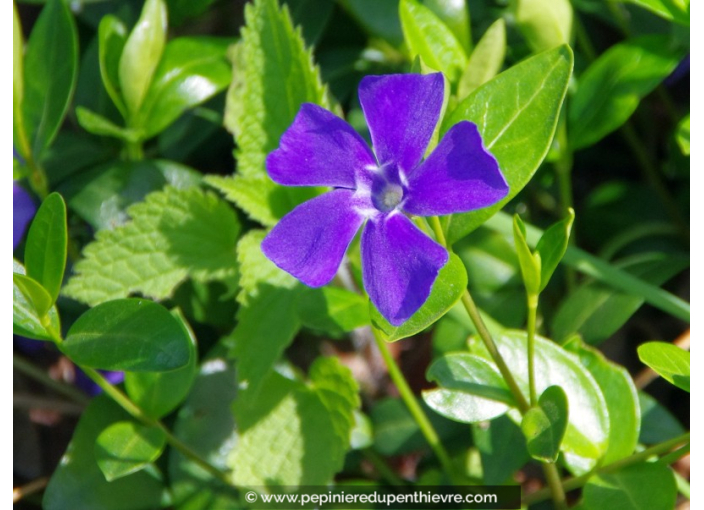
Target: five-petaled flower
[{"x": 399, "y": 262}]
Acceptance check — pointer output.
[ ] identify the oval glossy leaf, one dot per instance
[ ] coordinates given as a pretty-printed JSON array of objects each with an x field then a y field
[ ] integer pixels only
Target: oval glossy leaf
[
  {"x": 669, "y": 361},
  {"x": 126, "y": 447},
  {"x": 485, "y": 60},
  {"x": 333, "y": 310},
  {"x": 141, "y": 54},
  {"x": 544, "y": 23},
  {"x": 505, "y": 110},
  {"x": 112, "y": 36},
  {"x": 682, "y": 135},
  {"x": 17, "y": 70},
  {"x": 455, "y": 14},
  {"x": 45, "y": 252},
  {"x": 128, "y": 334},
  {"x": 447, "y": 290},
  {"x": 159, "y": 393},
  {"x": 552, "y": 246},
  {"x": 431, "y": 39},
  {"x": 33, "y": 315},
  {"x": 50, "y": 72},
  {"x": 657, "y": 423},
  {"x": 502, "y": 447},
  {"x": 621, "y": 400},
  {"x": 611, "y": 88},
  {"x": 470, "y": 389},
  {"x": 191, "y": 71},
  {"x": 78, "y": 482},
  {"x": 586, "y": 438},
  {"x": 99, "y": 125},
  {"x": 530, "y": 263},
  {"x": 644, "y": 486},
  {"x": 673, "y": 10},
  {"x": 544, "y": 426}
]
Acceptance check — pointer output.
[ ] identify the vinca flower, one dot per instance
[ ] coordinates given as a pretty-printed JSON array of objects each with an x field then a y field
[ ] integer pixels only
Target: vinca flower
[{"x": 399, "y": 261}]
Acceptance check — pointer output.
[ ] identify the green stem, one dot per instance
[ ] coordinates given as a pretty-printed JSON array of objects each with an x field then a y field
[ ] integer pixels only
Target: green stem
[
  {"x": 384, "y": 470},
  {"x": 552, "y": 475},
  {"x": 39, "y": 375},
  {"x": 416, "y": 411},
  {"x": 530, "y": 329},
  {"x": 123, "y": 401},
  {"x": 580, "y": 481}
]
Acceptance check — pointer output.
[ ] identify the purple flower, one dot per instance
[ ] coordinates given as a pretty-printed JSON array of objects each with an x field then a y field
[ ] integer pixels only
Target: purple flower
[
  {"x": 399, "y": 262},
  {"x": 23, "y": 210}
]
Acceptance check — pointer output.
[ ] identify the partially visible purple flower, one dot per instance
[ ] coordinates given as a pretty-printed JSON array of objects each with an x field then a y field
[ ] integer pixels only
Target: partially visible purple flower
[
  {"x": 680, "y": 72},
  {"x": 399, "y": 262},
  {"x": 23, "y": 210},
  {"x": 87, "y": 385}
]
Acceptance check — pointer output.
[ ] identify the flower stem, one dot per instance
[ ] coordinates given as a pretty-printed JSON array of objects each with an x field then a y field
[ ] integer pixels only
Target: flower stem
[
  {"x": 552, "y": 475},
  {"x": 123, "y": 401},
  {"x": 416, "y": 411},
  {"x": 580, "y": 481},
  {"x": 530, "y": 329}
]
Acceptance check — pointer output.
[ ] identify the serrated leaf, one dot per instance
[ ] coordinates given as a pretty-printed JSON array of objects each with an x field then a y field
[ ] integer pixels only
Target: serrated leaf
[
  {"x": 668, "y": 360},
  {"x": 50, "y": 72},
  {"x": 191, "y": 71},
  {"x": 596, "y": 310},
  {"x": 544, "y": 23},
  {"x": 486, "y": 59},
  {"x": 643, "y": 486},
  {"x": 429, "y": 37},
  {"x": 552, "y": 246},
  {"x": 128, "y": 334},
  {"x": 505, "y": 110},
  {"x": 174, "y": 234},
  {"x": 586, "y": 438},
  {"x": 141, "y": 54},
  {"x": 333, "y": 310},
  {"x": 45, "y": 251},
  {"x": 446, "y": 291},
  {"x": 682, "y": 135},
  {"x": 112, "y": 36},
  {"x": 544, "y": 426},
  {"x": 159, "y": 393},
  {"x": 126, "y": 447},
  {"x": 78, "y": 471},
  {"x": 611, "y": 88},
  {"x": 470, "y": 389},
  {"x": 273, "y": 74}
]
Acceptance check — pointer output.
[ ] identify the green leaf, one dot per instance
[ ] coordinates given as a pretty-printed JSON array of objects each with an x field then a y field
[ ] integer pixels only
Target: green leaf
[
  {"x": 611, "y": 88},
  {"x": 50, "y": 71},
  {"x": 505, "y": 110},
  {"x": 45, "y": 251},
  {"x": 99, "y": 125},
  {"x": 446, "y": 291},
  {"x": 531, "y": 264},
  {"x": 621, "y": 400},
  {"x": 206, "y": 424},
  {"x": 333, "y": 310},
  {"x": 428, "y": 37},
  {"x": 128, "y": 334},
  {"x": 502, "y": 447},
  {"x": 682, "y": 135},
  {"x": 304, "y": 431},
  {"x": 141, "y": 54},
  {"x": 657, "y": 423},
  {"x": 191, "y": 71},
  {"x": 596, "y": 311},
  {"x": 669, "y": 361},
  {"x": 544, "y": 426},
  {"x": 644, "y": 486},
  {"x": 470, "y": 389},
  {"x": 33, "y": 315},
  {"x": 159, "y": 393},
  {"x": 454, "y": 14},
  {"x": 273, "y": 75},
  {"x": 112, "y": 36},
  {"x": 379, "y": 19},
  {"x": 552, "y": 246},
  {"x": 174, "y": 234},
  {"x": 586, "y": 438},
  {"x": 126, "y": 447},
  {"x": 544, "y": 23},
  {"x": 673, "y": 10},
  {"x": 78, "y": 471},
  {"x": 17, "y": 75},
  {"x": 486, "y": 59}
]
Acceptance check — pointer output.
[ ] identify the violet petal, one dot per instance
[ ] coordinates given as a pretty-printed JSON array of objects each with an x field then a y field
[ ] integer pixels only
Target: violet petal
[
  {"x": 23, "y": 210},
  {"x": 319, "y": 149},
  {"x": 402, "y": 111},
  {"x": 310, "y": 241},
  {"x": 399, "y": 265},
  {"x": 459, "y": 176}
]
